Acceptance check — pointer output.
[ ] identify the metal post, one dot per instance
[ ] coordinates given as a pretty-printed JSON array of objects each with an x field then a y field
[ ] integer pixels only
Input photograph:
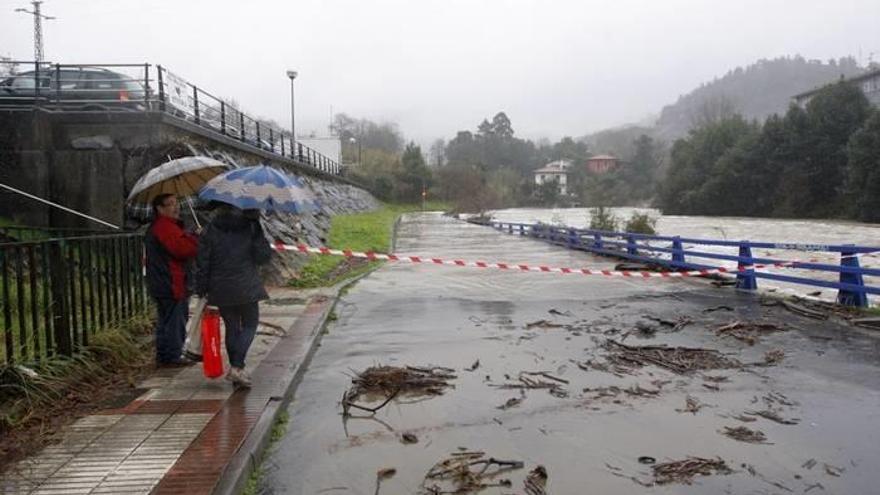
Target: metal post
[
  {"x": 222, "y": 117},
  {"x": 847, "y": 297},
  {"x": 522, "y": 229},
  {"x": 597, "y": 241},
  {"x": 259, "y": 141},
  {"x": 292, "y": 75},
  {"x": 161, "y": 87},
  {"x": 745, "y": 277},
  {"x": 146, "y": 86},
  {"x": 272, "y": 139},
  {"x": 241, "y": 124},
  {"x": 57, "y": 85},
  {"x": 299, "y": 148},
  {"x": 60, "y": 322},
  {"x": 631, "y": 245},
  {"x": 677, "y": 250},
  {"x": 282, "y": 144},
  {"x": 196, "y": 104}
]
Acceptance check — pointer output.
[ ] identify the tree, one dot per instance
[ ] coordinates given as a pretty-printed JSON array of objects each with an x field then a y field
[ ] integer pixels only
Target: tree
[
  {"x": 438, "y": 153},
  {"x": 863, "y": 171},
  {"x": 414, "y": 175},
  {"x": 834, "y": 114}
]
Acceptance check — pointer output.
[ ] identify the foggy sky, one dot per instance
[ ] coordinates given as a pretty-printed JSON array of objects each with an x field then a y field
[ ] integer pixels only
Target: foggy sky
[{"x": 556, "y": 67}]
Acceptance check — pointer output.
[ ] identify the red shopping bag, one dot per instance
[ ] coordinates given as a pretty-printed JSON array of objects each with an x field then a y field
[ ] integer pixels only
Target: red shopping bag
[{"x": 212, "y": 359}]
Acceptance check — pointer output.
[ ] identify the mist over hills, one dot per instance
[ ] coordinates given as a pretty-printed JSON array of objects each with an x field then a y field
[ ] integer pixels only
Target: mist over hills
[{"x": 755, "y": 92}]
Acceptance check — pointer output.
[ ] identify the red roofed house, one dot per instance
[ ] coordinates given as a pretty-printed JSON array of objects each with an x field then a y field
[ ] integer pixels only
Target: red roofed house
[{"x": 600, "y": 164}]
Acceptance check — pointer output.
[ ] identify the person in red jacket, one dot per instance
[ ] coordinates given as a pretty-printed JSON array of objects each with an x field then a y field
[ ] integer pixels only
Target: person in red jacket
[{"x": 168, "y": 250}]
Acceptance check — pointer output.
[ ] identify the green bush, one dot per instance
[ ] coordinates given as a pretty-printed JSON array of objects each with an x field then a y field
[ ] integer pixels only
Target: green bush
[
  {"x": 641, "y": 223},
  {"x": 601, "y": 218}
]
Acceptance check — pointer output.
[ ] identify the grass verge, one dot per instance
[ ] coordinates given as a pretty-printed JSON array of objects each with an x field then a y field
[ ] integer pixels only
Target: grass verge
[
  {"x": 37, "y": 401},
  {"x": 369, "y": 231}
]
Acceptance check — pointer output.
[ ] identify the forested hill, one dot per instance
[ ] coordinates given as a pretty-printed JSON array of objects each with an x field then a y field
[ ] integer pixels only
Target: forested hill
[{"x": 755, "y": 92}]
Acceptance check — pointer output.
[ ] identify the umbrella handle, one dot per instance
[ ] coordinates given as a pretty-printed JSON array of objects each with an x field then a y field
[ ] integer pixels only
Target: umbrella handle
[{"x": 195, "y": 217}]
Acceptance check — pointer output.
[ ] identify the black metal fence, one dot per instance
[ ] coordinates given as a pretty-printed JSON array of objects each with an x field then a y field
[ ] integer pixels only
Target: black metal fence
[
  {"x": 25, "y": 85},
  {"x": 55, "y": 293}
]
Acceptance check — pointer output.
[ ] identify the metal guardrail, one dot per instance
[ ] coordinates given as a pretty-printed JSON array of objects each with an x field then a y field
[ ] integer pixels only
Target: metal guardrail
[
  {"x": 851, "y": 287},
  {"x": 25, "y": 85},
  {"x": 55, "y": 293}
]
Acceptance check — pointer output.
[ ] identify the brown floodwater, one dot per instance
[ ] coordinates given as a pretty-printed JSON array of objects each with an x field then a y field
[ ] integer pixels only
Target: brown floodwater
[{"x": 420, "y": 315}]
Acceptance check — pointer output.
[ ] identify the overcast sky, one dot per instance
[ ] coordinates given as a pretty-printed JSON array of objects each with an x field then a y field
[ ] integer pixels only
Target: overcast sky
[{"x": 434, "y": 67}]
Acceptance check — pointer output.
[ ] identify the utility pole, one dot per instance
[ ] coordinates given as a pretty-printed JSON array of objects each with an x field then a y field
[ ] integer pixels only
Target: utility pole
[{"x": 38, "y": 28}]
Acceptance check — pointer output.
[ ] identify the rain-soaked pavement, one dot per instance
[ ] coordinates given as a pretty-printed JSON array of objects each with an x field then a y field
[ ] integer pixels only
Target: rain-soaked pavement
[{"x": 827, "y": 384}]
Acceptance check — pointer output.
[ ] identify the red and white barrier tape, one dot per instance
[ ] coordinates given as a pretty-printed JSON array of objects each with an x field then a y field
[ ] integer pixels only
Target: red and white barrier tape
[{"x": 302, "y": 248}]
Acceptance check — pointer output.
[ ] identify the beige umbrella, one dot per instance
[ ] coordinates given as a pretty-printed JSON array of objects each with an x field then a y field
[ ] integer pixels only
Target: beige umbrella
[{"x": 183, "y": 177}]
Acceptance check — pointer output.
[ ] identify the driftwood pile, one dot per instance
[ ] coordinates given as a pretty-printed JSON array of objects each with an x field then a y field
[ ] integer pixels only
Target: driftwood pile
[
  {"x": 679, "y": 360},
  {"x": 390, "y": 381},
  {"x": 468, "y": 472},
  {"x": 743, "y": 434},
  {"x": 685, "y": 470}
]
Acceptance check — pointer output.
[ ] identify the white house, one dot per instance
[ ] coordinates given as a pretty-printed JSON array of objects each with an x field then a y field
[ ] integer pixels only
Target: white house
[{"x": 557, "y": 171}]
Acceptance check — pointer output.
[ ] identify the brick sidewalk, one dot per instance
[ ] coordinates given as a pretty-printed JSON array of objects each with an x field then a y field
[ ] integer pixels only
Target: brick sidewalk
[{"x": 183, "y": 431}]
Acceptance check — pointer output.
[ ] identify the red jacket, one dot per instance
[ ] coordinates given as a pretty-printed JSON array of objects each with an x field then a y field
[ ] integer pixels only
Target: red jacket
[{"x": 168, "y": 249}]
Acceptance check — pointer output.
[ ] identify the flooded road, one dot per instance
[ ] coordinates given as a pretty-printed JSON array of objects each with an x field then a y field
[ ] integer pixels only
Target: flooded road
[{"x": 605, "y": 414}]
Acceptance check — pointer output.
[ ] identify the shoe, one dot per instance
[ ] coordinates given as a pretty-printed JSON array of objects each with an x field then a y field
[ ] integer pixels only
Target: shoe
[
  {"x": 177, "y": 363},
  {"x": 239, "y": 377},
  {"x": 196, "y": 358}
]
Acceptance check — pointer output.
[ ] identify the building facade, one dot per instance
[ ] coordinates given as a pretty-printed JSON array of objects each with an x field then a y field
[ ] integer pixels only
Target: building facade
[
  {"x": 868, "y": 82},
  {"x": 554, "y": 171},
  {"x": 601, "y": 164}
]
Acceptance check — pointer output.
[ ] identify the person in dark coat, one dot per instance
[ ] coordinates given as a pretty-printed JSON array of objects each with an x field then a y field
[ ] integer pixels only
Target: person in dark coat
[
  {"x": 168, "y": 250},
  {"x": 230, "y": 251}
]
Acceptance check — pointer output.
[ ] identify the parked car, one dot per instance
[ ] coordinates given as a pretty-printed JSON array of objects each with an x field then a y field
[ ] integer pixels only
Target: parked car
[{"x": 88, "y": 88}]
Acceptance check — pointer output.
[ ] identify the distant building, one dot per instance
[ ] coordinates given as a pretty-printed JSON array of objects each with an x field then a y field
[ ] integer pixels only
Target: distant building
[
  {"x": 557, "y": 171},
  {"x": 601, "y": 164},
  {"x": 869, "y": 83},
  {"x": 329, "y": 146}
]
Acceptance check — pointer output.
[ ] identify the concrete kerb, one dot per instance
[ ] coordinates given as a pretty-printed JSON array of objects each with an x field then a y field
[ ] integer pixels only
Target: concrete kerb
[{"x": 253, "y": 449}]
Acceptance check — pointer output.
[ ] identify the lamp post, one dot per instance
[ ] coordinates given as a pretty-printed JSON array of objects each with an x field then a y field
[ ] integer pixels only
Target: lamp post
[
  {"x": 292, "y": 75},
  {"x": 352, "y": 141}
]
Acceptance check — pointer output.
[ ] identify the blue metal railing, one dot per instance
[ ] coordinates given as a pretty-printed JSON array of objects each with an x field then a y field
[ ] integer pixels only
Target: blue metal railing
[{"x": 851, "y": 287}]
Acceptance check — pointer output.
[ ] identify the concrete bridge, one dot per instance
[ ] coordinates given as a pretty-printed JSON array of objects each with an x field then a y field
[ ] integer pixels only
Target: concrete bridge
[{"x": 85, "y": 144}]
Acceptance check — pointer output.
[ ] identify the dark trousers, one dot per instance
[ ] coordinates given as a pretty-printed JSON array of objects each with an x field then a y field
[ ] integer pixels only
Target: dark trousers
[
  {"x": 170, "y": 329},
  {"x": 241, "y": 326}
]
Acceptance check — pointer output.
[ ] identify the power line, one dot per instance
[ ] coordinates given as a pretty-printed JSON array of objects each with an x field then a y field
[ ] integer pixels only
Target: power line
[{"x": 38, "y": 28}]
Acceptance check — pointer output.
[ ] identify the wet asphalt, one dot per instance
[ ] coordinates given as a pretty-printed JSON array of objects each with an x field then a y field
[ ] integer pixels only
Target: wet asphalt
[{"x": 828, "y": 382}]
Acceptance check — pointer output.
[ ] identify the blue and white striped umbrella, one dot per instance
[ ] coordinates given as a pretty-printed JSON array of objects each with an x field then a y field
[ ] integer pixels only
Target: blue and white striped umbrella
[{"x": 260, "y": 188}]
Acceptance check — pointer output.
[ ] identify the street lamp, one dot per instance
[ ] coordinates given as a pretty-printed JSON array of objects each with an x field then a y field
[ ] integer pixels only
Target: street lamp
[
  {"x": 352, "y": 140},
  {"x": 292, "y": 75}
]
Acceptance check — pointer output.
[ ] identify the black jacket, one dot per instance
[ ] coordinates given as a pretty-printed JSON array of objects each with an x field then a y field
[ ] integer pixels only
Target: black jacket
[{"x": 230, "y": 250}]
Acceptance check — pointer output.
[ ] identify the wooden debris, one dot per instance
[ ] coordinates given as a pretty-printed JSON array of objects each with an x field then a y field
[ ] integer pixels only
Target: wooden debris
[
  {"x": 747, "y": 332},
  {"x": 390, "y": 381},
  {"x": 773, "y": 416},
  {"x": 718, "y": 308},
  {"x": 872, "y": 322},
  {"x": 536, "y": 482},
  {"x": 683, "y": 471},
  {"x": 384, "y": 474},
  {"x": 543, "y": 324},
  {"x": 513, "y": 401},
  {"x": 743, "y": 434},
  {"x": 474, "y": 366},
  {"x": 773, "y": 357},
  {"x": 409, "y": 438},
  {"x": 677, "y": 324},
  {"x": 833, "y": 470},
  {"x": 804, "y": 311},
  {"x": 467, "y": 472},
  {"x": 554, "y": 311},
  {"x": 691, "y": 405},
  {"x": 679, "y": 360}
]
